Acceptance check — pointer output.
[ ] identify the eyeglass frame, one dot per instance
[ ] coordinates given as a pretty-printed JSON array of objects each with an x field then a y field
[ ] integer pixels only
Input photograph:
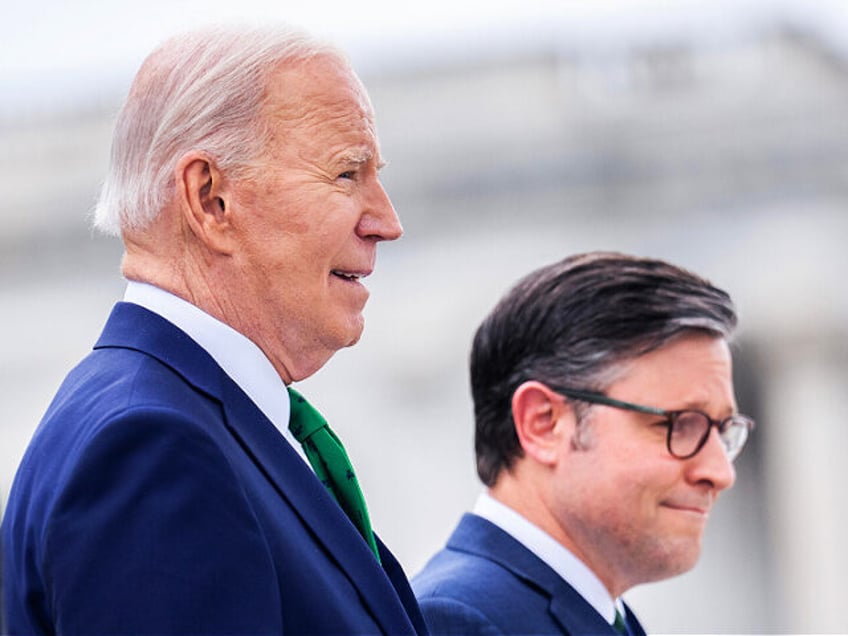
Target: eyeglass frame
[{"x": 593, "y": 397}]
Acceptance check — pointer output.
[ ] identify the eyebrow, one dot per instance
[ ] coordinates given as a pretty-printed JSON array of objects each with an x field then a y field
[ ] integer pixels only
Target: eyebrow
[{"x": 360, "y": 157}]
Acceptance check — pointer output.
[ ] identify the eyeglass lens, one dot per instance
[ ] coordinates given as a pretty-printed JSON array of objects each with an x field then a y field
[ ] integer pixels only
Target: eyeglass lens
[{"x": 690, "y": 430}]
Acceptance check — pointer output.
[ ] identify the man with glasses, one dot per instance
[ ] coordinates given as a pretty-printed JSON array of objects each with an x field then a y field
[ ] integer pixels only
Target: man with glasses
[{"x": 606, "y": 427}]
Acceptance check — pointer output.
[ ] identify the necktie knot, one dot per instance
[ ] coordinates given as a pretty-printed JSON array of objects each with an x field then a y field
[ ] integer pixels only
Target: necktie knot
[{"x": 304, "y": 419}]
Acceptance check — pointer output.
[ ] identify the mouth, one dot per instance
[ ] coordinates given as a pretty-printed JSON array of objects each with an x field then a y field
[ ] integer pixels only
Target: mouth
[
  {"x": 696, "y": 510},
  {"x": 350, "y": 276}
]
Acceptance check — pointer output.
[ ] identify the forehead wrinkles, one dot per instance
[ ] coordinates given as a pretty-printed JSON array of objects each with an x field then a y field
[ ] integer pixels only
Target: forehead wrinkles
[
  {"x": 318, "y": 91},
  {"x": 313, "y": 107},
  {"x": 339, "y": 139},
  {"x": 338, "y": 120}
]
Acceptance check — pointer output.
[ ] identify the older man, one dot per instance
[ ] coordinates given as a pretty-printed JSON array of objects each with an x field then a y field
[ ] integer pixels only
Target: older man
[
  {"x": 166, "y": 490},
  {"x": 606, "y": 427}
]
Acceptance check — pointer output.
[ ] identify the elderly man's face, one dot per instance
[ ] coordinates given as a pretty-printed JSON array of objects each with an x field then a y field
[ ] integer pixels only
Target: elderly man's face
[
  {"x": 312, "y": 219},
  {"x": 633, "y": 512}
]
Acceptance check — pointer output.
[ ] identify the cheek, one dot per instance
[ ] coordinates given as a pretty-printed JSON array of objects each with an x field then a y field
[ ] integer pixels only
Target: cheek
[
  {"x": 636, "y": 476},
  {"x": 284, "y": 207},
  {"x": 657, "y": 480},
  {"x": 280, "y": 244}
]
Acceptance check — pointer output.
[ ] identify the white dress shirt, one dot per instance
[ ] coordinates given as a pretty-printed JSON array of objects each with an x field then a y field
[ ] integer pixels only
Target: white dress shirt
[
  {"x": 236, "y": 354},
  {"x": 572, "y": 570}
]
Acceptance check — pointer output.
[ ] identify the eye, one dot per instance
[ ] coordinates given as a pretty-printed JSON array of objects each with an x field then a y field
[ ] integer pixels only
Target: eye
[{"x": 347, "y": 174}]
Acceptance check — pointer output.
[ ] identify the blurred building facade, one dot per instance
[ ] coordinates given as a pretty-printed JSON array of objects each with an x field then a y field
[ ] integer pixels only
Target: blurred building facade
[{"x": 728, "y": 156}]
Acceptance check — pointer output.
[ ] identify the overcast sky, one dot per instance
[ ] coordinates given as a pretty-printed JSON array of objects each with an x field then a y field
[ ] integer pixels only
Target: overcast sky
[
  {"x": 61, "y": 48},
  {"x": 61, "y": 34}
]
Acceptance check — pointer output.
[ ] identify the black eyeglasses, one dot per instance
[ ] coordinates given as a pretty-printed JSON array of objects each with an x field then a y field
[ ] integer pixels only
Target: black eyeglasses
[{"x": 688, "y": 429}]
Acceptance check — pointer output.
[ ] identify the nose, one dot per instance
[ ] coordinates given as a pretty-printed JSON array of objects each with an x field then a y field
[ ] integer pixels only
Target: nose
[
  {"x": 711, "y": 464},
  {"x": 379, "y": 220}
]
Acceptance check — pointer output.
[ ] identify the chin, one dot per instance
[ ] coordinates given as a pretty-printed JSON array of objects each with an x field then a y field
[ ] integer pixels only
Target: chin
[
  {"x": 355, "y": 331},
  {"x": 669, "y": 560},
  {"x": 684, "y": 559},
  {"x": 353, "y": 340}
]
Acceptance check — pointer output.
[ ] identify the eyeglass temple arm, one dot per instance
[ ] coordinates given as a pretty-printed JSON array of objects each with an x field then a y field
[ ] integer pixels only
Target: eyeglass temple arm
[{"x": 600, "y": 398}]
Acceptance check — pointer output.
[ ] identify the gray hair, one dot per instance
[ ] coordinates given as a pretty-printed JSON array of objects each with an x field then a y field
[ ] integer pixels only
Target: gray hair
[
  {"x": 202, "y": 90},
  {"x": 576, "y": 323}
]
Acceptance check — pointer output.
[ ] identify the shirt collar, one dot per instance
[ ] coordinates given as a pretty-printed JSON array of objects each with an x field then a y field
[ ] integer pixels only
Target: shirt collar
[
  {"x": 237, "y": 355},
  {"x": 561, "y": 560}
]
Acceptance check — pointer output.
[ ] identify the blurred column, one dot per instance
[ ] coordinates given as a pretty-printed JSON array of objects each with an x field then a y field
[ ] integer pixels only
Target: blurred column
[{"x": 806, "y": 431}]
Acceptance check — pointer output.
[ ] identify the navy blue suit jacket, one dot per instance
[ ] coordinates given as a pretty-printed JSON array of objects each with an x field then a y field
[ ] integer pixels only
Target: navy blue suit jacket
[
  {"x": 155, "y": 498},
  {"x": 486, "y": 582}
]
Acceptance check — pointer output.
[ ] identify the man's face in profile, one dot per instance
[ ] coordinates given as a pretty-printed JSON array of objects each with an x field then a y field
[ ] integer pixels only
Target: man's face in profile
[
  {"x": 314, "y": 213},
  {"x": 635, "y": 512}
]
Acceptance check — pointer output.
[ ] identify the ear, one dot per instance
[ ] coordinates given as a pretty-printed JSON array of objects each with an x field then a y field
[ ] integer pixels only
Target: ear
[
  {"x": 543, "y": 420},
  {"x": 205, "y": 201}
]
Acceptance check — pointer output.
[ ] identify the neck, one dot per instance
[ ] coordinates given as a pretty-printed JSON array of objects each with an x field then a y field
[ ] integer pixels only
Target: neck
[
  {"x": 209, "y": 288},
  {"x": 526, "y": 490}
]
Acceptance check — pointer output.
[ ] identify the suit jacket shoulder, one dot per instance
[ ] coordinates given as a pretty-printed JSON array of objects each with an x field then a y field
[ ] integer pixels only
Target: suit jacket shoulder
[
  {"x": 485, "y": 581},
  {"x": 156, "y": 498}
]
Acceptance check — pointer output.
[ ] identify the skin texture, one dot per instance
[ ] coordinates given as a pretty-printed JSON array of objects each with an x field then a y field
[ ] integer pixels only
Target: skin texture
[
  {"x": 619, "y": 501},
  {"x": 280, "y": 256}
]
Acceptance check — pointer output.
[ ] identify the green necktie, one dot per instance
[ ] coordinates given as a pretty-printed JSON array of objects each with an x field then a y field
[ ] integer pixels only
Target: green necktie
[{"x": 330, "y": 463}]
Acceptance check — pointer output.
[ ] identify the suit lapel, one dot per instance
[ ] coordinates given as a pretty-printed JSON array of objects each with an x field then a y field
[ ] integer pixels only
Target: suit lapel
[
  {"x": 575, "y": 616},
  {"x": 633, "y": 623},
  {"x": 134, "y": 327},
  {"x": 401, "y": 583},
  {"x": 296, "y": 483}
]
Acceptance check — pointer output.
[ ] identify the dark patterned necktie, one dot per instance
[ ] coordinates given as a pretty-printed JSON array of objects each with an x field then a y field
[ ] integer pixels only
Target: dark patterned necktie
[{"x": 331, "y": 464}]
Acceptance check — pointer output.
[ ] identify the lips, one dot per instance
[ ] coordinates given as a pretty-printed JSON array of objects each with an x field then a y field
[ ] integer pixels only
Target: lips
[
  {"x": 698, "y": 508},
  {"x": 352, "y": 276}
]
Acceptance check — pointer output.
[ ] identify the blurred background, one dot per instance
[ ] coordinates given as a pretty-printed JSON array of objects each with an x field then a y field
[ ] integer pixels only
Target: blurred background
[{"x": 711, "y": 133}]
